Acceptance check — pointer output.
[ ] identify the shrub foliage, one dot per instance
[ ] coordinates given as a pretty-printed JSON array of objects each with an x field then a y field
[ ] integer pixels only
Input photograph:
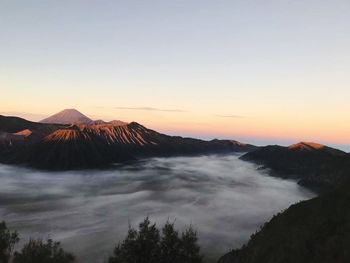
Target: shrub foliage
[{"x": 150, "y": 245}]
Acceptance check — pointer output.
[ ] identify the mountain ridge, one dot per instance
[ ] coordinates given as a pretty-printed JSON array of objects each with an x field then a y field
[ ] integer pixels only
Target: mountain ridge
[
  {"x": 92, "y": 145},
  {"x": 309, "y": 163}
]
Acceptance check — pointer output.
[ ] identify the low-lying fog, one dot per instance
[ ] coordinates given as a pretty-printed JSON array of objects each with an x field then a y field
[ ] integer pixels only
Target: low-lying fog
[{"x": 225, "y": 199}]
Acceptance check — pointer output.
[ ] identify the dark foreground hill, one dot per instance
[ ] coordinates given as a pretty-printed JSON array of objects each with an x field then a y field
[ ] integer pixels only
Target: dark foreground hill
[
  {"x": 313, "y": 231},
  {"x": 96, "y": 144},
  {"x": 315, "y": 166}
]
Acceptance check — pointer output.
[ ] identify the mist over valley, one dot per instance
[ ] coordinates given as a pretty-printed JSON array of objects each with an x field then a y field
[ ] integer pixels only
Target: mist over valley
[{"x": 224, "y": 198}]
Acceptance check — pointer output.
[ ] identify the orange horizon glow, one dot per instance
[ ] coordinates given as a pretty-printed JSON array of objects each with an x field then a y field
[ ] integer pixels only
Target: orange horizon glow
[{"x": 210, "y": 126}]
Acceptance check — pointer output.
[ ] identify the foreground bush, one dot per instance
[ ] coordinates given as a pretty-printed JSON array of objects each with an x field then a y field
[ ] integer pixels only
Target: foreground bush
[
  {"x": 8, "y": 240},
  {"x": 37, "y": 251},
  {"x": 147, "y": 245},
  {"x": 311, "y": 231}
]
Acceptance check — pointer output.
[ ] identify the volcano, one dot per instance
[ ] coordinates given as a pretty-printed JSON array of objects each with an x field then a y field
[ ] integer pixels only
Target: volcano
[
  {"x": 70, "y": 140},
  {"x": 68, "y": 116}
]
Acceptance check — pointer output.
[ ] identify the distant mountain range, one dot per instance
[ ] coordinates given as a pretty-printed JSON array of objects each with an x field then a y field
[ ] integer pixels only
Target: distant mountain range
[
  {"x": 314, "y": 165},
  {"x": 71, "y": 140},
  {"x": 72, "y": 116}
]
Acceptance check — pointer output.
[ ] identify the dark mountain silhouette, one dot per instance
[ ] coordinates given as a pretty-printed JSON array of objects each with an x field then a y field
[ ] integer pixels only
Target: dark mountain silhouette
[
  {"x": 313, "y": 231},
  {"x": 316, "y": 166},
  {"x": 94, "y": 144},
  {"x": 16, "y": 124},
  {"x": 68, "y": 116}
]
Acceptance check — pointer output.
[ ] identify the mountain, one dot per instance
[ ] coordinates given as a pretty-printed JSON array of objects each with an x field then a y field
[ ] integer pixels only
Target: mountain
[
  {"x": 96, "y": 144},
  {"x": 314, "y": 165},
  {"x": 312, "y": 231},
  {"x": 315, "y": 147},
  {"x": 15, "y": 124},
  {"x": 68, "y": 116}
]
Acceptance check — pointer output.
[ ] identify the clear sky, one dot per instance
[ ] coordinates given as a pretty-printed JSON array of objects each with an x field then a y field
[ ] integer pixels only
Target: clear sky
[{"x": 259, "y": 71}]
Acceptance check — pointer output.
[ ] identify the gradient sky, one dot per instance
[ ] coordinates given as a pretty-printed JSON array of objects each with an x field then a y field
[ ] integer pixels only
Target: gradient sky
[{"x": 258, "y": 71}]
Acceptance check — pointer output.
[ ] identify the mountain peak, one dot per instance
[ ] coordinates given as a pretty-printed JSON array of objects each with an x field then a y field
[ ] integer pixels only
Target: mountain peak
[
  {"x": 71, "y": 110},
  {"x": 68, "y": 116},
  {"x": 306, "y": 146},
  {"x": 311, "y": 146}
]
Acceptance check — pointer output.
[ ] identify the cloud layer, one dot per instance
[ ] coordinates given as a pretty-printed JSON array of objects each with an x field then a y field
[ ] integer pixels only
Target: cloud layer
[
  {"x": 231, "y": 116},
  {"x": 150, "y": 109},
  {"x": 224, "y": 198}
]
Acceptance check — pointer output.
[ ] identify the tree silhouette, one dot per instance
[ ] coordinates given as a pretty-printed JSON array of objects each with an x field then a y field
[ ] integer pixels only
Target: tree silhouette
[
  {"x": 140, "y": 246},
  {"x": 190, "y": 250},
  {"x": 8, "y": 240},
  {"x": 37, "y": 251},
  {"x": 145, "y": 245},
  {"x": 170, "y": 244}
]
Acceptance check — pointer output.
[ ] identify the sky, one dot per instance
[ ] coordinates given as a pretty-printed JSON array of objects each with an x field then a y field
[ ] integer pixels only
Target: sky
[{"x": 258, "y": 71}]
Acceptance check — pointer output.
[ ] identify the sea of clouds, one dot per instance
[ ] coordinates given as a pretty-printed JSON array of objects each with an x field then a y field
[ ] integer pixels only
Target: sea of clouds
[{"x": 224, "y": 198}]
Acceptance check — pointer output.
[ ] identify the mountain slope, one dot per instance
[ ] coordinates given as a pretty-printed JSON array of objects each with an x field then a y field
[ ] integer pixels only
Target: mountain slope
[
  {"x": 313, "y": 231},
  {"x": 314, "y": 165},
  {"x": 315, "y": 147},
  {"x": 94, "y": 146},
  {"x": 68, "y": 116},
  {"x": 16, "y": 124}
]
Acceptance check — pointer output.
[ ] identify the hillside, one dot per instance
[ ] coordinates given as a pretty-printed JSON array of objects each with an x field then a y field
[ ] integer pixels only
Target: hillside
[
  {"x": 316, "y": 166},
  {"x": 16, "y": 124},
  {"x": 313, "y": 231}
]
